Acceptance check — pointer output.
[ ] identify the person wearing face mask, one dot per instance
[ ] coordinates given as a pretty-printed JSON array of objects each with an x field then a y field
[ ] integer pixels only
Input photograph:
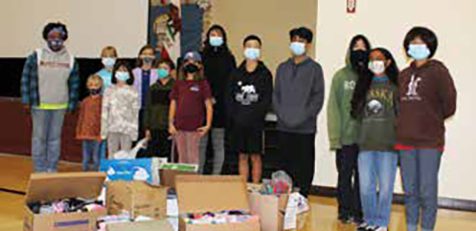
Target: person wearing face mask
[
  {"x": 156, "y": 114},
  {"x": 191, "y": 110},
  {"x": 120, "y": 111},
  {"x": 218, "y": 63},
  {"x": 108, "y": 59},
  {"x": 144, "y": 76},
  {"x": 88, "y": 128},
  {"x": 343, "y": 129},
  {"x": 374, "y": 105},
  {"x": 49, "y": 87},
  {"x": 297, "y": 100},
  {"x": 427, "y": 99},
  {"x": 249, "y": 97}
]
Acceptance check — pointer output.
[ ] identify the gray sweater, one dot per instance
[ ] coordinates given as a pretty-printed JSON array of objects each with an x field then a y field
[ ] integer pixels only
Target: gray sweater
[{"x": 298, "y": 96}]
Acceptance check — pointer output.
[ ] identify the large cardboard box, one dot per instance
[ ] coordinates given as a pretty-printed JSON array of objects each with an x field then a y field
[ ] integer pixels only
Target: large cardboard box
[
  {"x": 200, "y": 194},
  {"x": 167, "y": 176},
  {"x": 271, "y": 210},
  {"x": 162, "y": 225},
  {"x": 136, "y": 197},
  {"x": 50, "y": 187}
]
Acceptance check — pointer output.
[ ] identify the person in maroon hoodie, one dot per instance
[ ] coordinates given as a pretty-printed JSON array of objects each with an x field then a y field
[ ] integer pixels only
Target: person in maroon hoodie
[{"x": 427, "y": 99}]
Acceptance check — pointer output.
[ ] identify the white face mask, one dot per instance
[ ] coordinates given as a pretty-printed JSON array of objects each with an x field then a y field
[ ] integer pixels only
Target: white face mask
[{"x": 377, "y": 67}]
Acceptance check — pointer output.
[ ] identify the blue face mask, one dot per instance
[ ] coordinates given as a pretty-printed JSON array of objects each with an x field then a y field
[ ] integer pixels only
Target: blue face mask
[
  {"x": 298, "y": 48},
  {"x": 419, "y": 51},
  {"x": 252, "y": 53},
  {"x": 162, "y": 73},
  {"x": 122, "y": 76},
  {"x": 108, "y": 62},
  {"x": 216, "y": 41}
]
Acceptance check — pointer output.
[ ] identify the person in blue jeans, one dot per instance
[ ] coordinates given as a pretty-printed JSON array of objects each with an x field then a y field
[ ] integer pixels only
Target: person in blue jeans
[
  {"x": 49, "y": 87},
  {"x": 427, "y": 98},
  {"x": 374, "y": 104}
]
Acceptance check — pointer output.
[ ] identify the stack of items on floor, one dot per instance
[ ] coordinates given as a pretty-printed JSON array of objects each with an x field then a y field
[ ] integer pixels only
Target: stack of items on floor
[
  {"x": 184, "y": 201},
  {"x": 277, "y": 204}
]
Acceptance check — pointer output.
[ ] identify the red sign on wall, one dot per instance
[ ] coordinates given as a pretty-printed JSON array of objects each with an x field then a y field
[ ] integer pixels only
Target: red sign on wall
[{"x": 351, "y": 6}]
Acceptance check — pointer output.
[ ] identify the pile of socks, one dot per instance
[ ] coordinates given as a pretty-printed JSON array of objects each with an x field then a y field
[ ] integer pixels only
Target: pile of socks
[
  {"x": 70, "y": 205},
  {"x": 223, "y": 217}
]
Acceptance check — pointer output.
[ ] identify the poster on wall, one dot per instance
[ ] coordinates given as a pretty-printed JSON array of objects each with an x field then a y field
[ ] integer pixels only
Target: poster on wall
[{"x": 165, "y": 26}]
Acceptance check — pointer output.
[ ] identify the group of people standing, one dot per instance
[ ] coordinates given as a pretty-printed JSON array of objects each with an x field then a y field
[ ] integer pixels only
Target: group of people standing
[
  {"x": 380, "y": 118},
  {"x": 377, "y": 116}
]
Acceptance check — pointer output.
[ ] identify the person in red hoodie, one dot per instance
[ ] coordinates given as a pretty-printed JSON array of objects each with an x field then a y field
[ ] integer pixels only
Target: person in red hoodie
[{"x": 427, "y": 98}]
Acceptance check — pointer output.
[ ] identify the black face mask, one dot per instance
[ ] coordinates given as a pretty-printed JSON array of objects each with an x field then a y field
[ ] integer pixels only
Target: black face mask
[
  {"x": 359, "y": 59},
  {"x": 95, "y": 91},
  {"x": 190, "y": 68}
]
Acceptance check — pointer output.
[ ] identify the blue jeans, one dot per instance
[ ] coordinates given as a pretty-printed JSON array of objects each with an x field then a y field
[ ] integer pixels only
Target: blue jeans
[
  {"x": 46, "y": 139},
  {"x": 91, "y": 152},
  {"x": 102, "y": 151},
  {"x": 377, "y": 170},
  {"x": 419, "y": 169}
]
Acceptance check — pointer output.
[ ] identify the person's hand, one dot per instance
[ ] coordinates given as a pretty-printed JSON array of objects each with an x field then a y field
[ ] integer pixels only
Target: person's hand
[
  {"x": 148, "y": 136},
  {"x": 203, "y": 130},
  {"x": 172, "y": 129},
  {"x": 27, "y": 109}
]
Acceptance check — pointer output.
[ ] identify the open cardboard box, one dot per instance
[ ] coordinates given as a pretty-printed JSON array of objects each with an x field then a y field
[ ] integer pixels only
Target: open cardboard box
[
  {"x": 270, "y": 209},
  {"x": 162, "y": 225},
  {"x": 200, "y": 194},
  {"x": 50, "y": 187},
  {"x": 136, "y": 197}
]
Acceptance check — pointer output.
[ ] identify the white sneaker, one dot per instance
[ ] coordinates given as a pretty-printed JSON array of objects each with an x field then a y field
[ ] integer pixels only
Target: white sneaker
[{"x": 381, "y": 229}]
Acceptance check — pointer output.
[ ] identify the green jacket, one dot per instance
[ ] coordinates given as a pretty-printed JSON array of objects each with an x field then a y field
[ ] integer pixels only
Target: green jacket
[
  {"x": 156, "y": 114},
  {"x": 342, "y": 128}
]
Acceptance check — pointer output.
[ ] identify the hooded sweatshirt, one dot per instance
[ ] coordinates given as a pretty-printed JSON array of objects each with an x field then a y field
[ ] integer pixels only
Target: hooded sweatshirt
[
  {"x": 298, "y": 96},
  {"x": 377, "y": 132},
  {"x": 342, "y": 128},
  {"x": 250, "y": 95},
  {"x": 218, "y": 64},
  {"x": 427, "y": 98}
]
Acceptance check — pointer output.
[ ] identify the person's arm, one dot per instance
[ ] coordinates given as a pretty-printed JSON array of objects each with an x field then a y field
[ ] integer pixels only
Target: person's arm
[
  {"x": 266, "y": 95},
  {"x": 229, "y": 101},
  {"x": 105, "y": 114},
  {"x": 147, "y": 114},
  {"x": 447, "y": 93},
  {"x": 136, "y": 103},
  {"x": 317, "y": 94},
  {"x": 80, "y": 122},
  {"x": 74, "y": 83},
  {"x": 209, "y": 106},
  {"x": 25, "y": 79},
  {"x": 277, "y": 92},
  {"x": 333, "y": 114},
  {"x": 172, "y": 110}
]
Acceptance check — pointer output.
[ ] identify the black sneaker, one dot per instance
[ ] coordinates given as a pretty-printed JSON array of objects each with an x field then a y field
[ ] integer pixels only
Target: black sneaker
[
  {"x": 363, "y": 227},
  {"x": 357, "y": 220},
  {"x": 345, "y": 219}
]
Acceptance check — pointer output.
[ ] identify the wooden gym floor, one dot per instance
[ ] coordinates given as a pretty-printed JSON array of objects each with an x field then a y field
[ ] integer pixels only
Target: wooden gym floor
[{"x": 15, "y": 170}]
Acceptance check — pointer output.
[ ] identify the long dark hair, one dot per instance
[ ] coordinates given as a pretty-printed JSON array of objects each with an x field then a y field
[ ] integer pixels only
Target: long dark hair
[
  {"x": 207, "y": 48},
  {"x": 365, "y": 80},
  {"x": 120, "y": 63},
  {"x": 357, "y": 38},
  {"x": 139, "y": 62}
]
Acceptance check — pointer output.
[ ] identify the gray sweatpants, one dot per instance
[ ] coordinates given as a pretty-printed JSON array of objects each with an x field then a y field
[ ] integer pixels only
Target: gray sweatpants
[
  {"x": 419, "y": 169},
  {"x": 117, "y": 142},
  {"x": 218, "y": 142}
]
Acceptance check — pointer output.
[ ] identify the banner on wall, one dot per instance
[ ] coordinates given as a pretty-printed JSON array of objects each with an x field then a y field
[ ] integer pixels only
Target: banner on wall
[{"x": 165, "y": 25}]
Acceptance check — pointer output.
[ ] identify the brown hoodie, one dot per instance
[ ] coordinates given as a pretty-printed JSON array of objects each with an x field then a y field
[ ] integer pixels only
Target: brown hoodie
[{"x": 427, "y": 98}]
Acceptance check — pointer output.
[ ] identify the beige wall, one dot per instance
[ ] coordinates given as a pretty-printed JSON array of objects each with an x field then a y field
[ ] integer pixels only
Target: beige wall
[
  {"x": 386, "y": 23},
  {"x": 270, "y": 19},
  {"x": 93, "y": 24}
]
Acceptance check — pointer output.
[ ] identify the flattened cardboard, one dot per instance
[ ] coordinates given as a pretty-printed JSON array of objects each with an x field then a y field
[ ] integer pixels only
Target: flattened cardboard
[
  {"x": 57, "y": 186},
  {"x": 244, "y": 226},
  {"x": 137, "y": 197},
  {"x": 199, "y": 194},
  {"x": 167, "y": 177},
  {"x": 50, "y": 187},
  {"x": 162, "y": 225}
]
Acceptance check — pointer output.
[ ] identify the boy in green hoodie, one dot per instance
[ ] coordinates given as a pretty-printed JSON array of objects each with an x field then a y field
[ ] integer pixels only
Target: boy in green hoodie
[{"x": 343, "y": 129}]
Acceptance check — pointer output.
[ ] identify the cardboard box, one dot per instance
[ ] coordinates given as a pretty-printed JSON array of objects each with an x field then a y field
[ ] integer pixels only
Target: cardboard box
[
  {"x": 162, "y": 225},
  {"x": 200, "y": 194},
  {"x": 271, "y": 210},
  {"x": 167, "y": 176},
  {"x": 50, "y": 187},
  {"x": 136, "y": 197}
]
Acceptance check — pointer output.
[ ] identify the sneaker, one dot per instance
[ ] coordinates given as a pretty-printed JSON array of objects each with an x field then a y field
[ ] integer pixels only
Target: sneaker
[
  {"x": 345, "y": 219},
  {"x": 357, "y": 220},
  {"x": 363, "y": 227},
  {"x": 381, "y": 229}
]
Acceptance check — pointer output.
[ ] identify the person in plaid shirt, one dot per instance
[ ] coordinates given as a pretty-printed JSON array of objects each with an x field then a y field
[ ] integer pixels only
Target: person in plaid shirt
[{"x": 49, "y": 87}]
